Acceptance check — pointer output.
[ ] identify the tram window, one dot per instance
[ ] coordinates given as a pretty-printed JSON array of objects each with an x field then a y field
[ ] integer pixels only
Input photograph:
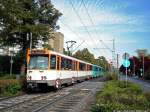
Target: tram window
[
  {"x": 63, "y": 63},
  {"x": 82, "y": 66},
  {"x": 38, "y": 62},
  {"x": 69, "y": 64},
  {"x": 88, "y": 67},
  {"x": 53, "y": 62},
  {"x": 66, "y": 64}
]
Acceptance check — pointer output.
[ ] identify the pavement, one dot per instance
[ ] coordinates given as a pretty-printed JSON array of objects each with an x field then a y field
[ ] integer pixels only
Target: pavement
[{"x": 145, "y": 84}]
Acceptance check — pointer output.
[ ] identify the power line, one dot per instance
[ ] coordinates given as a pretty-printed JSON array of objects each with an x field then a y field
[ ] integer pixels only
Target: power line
[
  {"x": 89, "y": 17},
  {"x": 89, "y": 35},
  {"x": 88, "y": 14},
  {"x": 75, "y": 33},
  {"x": 78, "y": 46},
  {"x": 113, "y": 50}
]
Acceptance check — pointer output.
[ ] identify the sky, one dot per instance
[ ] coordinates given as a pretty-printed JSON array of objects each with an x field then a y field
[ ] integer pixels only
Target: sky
[{"x": 89, "y": 21}]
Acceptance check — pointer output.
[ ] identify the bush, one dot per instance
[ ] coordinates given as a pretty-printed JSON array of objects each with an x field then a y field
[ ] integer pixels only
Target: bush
[
  {"x": 13, "y": 89},
  {"x": 102, "y": 108},
  {"x": 110, "y": 76},
  {"x": 147, "y": 95},
  {"x": 147, "y": 74},
  {"x": 117, "y": 95},
  {"x": 9, "y": 87},
  {"x": 7, "y": 76},
  {"x": 23, "y": 82}
]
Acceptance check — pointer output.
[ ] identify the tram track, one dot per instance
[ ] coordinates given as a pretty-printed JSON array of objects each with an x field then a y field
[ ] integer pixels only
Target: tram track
[
  {"x": 65, "y": 104},
  {"x": 10, "y": 102},
  {"x": 36, "y": 103},
  {"x": 64, "y": 100}
]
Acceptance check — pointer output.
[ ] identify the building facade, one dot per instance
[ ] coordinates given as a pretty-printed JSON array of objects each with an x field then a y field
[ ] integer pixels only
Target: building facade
[{"x": 57, "y": 43}]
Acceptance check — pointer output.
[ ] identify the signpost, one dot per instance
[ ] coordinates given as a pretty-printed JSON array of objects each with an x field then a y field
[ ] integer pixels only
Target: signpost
[{"x": 126, "y": 63}]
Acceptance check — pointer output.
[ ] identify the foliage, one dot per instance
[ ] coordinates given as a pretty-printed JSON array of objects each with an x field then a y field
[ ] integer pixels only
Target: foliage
[
  {"x": 147, "y": 95},
  {"x": 23, "y": 83},
  {"x": 110, "y": 76},
  {"x": 13, "y": 89},
  {"x": 101, "y": 61},
  {"x": 7, "y": 76},
  {"x": 21, "y": 17},
  {"x": 9, "y": 87},
  {"x": 84, "y": 55},
  {"x": 147, "y": 74},
  {"x": 89, "y": 57},
  {"x": 5, "y": 64},
  {"x": 48, "y": 46},
  {"x": 101, "y": 108},
  {"x": 116, "y": 95}
]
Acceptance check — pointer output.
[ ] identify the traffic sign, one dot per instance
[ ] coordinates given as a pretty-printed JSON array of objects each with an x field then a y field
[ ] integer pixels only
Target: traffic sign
[
  {"x": 125, "y": 56},
  {"x": 11, "y": 61},
  {"x": 126, "y": 63}
]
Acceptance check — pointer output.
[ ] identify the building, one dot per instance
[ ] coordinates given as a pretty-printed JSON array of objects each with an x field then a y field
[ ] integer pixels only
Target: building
[
  {"x": 141, "y": 52},
  {"x": 57, "y": 43}
]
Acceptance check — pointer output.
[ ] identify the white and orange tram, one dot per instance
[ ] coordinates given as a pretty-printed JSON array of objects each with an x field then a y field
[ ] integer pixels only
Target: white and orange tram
[{"x": 49, "y": 68}]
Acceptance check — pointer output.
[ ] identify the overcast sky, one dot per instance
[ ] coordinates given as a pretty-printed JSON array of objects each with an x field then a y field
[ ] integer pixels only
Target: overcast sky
[{"x": 126, "y": 21}]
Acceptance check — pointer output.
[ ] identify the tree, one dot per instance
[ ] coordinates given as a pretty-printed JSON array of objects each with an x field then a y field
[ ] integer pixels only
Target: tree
[
  {"x": 84, "y": 55},
  {"x": 101, "y": 61},
  {"x": 21, "y": 17}
]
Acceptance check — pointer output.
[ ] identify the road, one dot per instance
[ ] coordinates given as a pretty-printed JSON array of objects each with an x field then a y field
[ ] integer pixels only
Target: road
[{"x": 144, "y": 84}]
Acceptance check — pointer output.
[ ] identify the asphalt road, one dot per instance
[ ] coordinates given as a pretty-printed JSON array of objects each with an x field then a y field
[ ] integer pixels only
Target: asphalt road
[{"x": 144, "y": 83}]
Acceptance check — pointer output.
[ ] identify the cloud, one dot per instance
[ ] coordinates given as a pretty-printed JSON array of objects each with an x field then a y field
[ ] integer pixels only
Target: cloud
[{"x": 109, "y": 22}]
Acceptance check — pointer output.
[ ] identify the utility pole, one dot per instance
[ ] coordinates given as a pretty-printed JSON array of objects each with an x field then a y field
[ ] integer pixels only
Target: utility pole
[
  {"x": 30, "y": 41},
  {"x": 70, "y": 46},
  {"x": 133, "y": 66},
  {"x": 118, "y": 65},
  {"x": 113, "y": 53},
  {"x": 11, "y": 61}
]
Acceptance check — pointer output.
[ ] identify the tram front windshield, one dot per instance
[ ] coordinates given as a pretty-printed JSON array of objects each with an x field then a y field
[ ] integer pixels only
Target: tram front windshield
[{"x": 38, "y": 62}]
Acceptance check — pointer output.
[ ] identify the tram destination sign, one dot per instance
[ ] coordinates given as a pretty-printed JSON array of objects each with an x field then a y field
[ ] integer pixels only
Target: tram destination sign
[{"x": 38, "y": 52}]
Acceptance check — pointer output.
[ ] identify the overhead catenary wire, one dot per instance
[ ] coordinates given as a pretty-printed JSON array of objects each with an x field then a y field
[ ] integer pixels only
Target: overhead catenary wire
[
  {"x": 75, "y": 33},
  {"x": 112, "y": 50},
  {"x": 81, "y": 21},
  {"x": 90, "y": 18},
  {"x": 68, "y": 26},
  {"x": 76, "y": 12}
]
